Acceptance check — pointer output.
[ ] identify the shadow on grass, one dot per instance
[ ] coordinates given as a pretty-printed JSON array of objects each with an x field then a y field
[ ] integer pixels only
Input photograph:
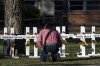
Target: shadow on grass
[
  {"x": 76, "y": 58},
  {"x": 3, "y": 57}
]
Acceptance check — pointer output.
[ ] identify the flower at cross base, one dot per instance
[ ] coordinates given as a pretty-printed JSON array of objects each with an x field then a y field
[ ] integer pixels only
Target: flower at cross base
[
  {"x": 64, "y": 42},
  {"x": 27, "y": 43},
  {"x": 12, "y": 44},
  {"x": 83, "y": 43},
  {"x": 94, "y": 41}
]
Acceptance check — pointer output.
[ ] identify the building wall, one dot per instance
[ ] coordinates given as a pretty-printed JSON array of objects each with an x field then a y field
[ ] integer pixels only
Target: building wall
[
  {"x": 84, "y": 18},
  {"x": 83, "y": 12}
]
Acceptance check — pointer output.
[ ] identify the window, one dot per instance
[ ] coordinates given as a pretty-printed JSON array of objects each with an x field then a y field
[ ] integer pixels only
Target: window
[
  {"x": 93, "y": 5},
  {"x": 58, "y": 5},
  {"x": 76, "y": 5},
  {"x": 58, "y": 2},
  {"x": 58, "y": 13}
]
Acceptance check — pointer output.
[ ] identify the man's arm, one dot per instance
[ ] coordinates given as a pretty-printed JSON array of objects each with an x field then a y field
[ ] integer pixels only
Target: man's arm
[
  {"x": 59, "y": 40},
  {"x": 39, "y": 40}
]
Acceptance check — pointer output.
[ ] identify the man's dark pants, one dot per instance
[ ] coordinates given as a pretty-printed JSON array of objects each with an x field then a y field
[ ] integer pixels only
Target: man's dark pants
[{"x": 49, "y": 48}]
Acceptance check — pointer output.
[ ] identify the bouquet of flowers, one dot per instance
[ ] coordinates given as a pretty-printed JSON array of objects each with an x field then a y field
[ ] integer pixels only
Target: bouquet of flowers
[
  {"x": 64, "y": 42},
  {"x": 95, "y": 42},
  {"x": 27, "y": 43},
  {"x": 12, "y": 44},
  {"x": 83, "y": 43}
]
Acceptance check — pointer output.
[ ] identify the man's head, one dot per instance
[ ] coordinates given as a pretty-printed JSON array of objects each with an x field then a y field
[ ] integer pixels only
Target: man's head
[{"x": 47, "y": 26}]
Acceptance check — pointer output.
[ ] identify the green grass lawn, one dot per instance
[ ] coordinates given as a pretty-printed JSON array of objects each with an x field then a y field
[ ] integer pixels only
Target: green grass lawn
[{"x": 72, "y": 59}]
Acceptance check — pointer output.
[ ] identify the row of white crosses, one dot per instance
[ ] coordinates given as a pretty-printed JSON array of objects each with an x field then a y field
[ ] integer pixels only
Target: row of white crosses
[
  {"x": 27, "y": 48},
  {"x": 82, "y": 37}
]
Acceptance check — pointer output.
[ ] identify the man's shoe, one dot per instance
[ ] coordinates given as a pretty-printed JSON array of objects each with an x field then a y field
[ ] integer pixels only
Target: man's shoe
[
  {"x": 58, "y": 57},
  {"x": 48, "y": 56}
]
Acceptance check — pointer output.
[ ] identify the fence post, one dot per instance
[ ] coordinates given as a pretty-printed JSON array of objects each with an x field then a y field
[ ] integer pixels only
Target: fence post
[
  {"x": 63, "y": 45},
  {"x": 82, "y": 48},
  {"x": 35, "y": 39},
  {"x": 5, "y": 44},
  {"x": 60, "y": 49},
  {"x": 27, "y": 46},
  {"x": 93, "y": 38},
  {"x": 12, "y": 40},
  {"x": 93, "y": 43}
]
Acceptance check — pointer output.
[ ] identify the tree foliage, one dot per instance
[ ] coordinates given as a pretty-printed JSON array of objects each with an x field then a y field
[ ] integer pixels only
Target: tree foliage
[{"x": 30, "y": 11}]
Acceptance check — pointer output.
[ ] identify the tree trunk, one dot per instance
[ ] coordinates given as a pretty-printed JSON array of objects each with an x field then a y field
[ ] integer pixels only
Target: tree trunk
[{"x": 13, "y": 18}]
